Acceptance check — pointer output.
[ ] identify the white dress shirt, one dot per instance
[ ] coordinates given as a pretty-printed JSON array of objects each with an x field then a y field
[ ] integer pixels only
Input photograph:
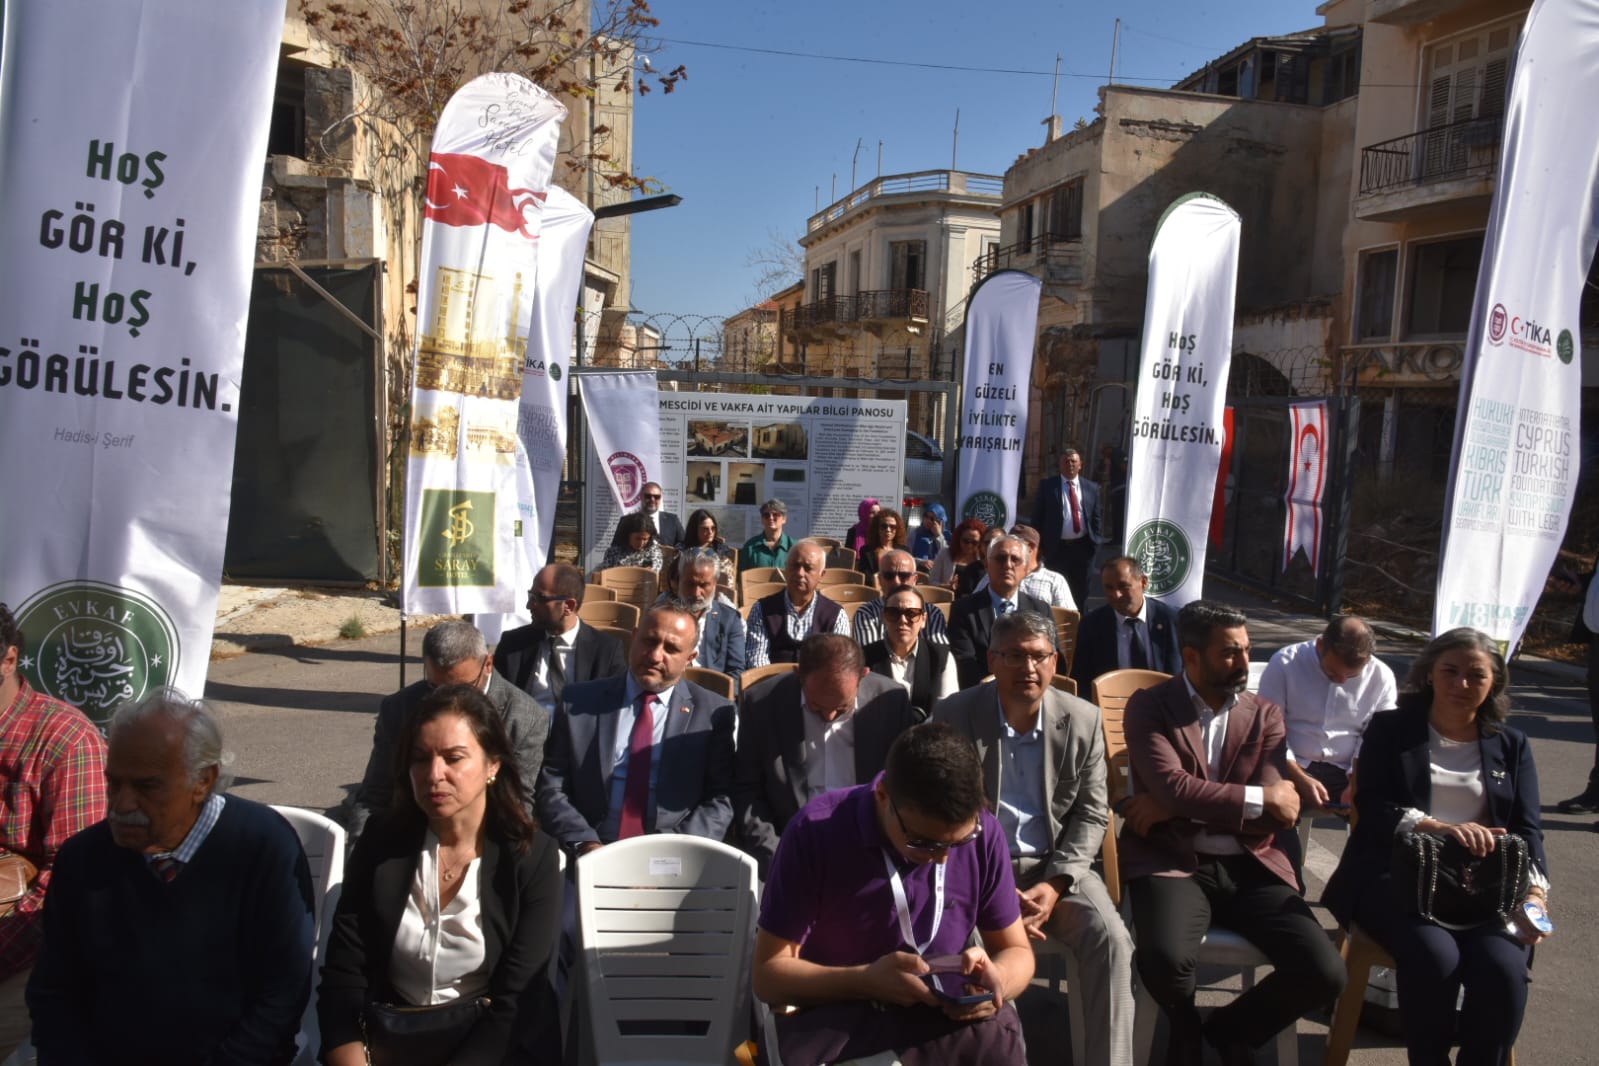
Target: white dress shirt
[
  {"x": 1213, "y": 736},
  {"x": 440, "y": 954},
  {"x": 539, "y": 684},
  {"x": 829, "y": 750},
  {"x": 1066, "y": 530},
  {"x": 1324, "y": 720},
  {"x": 1124, "y": 636}
]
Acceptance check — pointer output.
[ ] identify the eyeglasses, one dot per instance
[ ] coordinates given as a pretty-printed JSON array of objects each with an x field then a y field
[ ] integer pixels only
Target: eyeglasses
[
  {"x": 534, "y": 597},
  {"x": 1018, "y": 659},
  {"x": 771, "y": 514},
  {"x": 899, "y": 575},
  {"x": 652, "y": 495},
  {"x": 891, "y": 526},
  {"x": 1008, "y": 560},
  {"x": 904, "y": 614},
  {"x": 931, "y": 847}
]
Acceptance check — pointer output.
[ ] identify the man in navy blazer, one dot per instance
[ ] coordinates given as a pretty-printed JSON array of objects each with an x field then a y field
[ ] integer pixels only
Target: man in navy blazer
[
  {"x": 1070, "y": 535},
  {"x": 582, "y": 789},
  {"x": 722, "y": 634},
  {"x": 667, "y": 527},
  {"x": 585, "y": 654},
  {"x": 971, "y": 620},
  {"x": 1130, "y": 632}
]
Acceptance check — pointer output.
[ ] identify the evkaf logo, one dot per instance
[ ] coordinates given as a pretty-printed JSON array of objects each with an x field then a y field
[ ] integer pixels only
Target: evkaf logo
[{"x": 1523, "y": 334}]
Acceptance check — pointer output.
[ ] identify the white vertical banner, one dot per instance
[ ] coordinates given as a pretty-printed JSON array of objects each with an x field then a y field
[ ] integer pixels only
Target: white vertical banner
[
  {"x": 488, "y": 176},
  {"x": 625, "y": 423},
  {"x": 1307, "y": 482},
  {"x": 1513, "y": 471},
  {"x": 1001, "y": 322},
  {"x": 1179, "y": 412},
  {"x": 132, "y": 135}
]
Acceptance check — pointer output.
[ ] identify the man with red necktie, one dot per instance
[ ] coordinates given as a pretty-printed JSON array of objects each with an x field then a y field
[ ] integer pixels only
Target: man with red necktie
[
  {"x": 646, "y": 752},
  {"x": 1067, "y": 516}
]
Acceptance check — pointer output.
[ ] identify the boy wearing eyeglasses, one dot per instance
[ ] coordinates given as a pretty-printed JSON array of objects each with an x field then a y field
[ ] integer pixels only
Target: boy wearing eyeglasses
[{"x": 873, "y": 896}]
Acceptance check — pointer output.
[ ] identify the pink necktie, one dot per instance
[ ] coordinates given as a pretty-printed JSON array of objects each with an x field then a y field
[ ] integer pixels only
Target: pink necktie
[
  {"x": 1077, "y": 513},
  {"x": 636, "y": 793}
]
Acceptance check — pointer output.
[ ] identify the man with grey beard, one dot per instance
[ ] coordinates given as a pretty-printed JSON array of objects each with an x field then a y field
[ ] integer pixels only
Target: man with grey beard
[
  {"x": 721, "y": 629},
  {"x": 179, "y": 930}
]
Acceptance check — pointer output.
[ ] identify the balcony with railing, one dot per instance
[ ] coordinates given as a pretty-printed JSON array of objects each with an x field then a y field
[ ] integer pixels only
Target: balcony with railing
[
  {"x": 924, "y": 184},
  {"x": 1055, "y": 257},
  {"x": 1453, "y": 164},
  {"x": 874, "y": 311}
]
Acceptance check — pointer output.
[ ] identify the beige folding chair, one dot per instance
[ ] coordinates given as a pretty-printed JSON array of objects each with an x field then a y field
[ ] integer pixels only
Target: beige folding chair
[
  {"x": 841, "y": 559},
  {"x": 1066, "y": 621},
  {"x": 756, "y": 674},
  {"x": 946, "y": 608},
  {"x": 936, "y": 593},
  {"x": 759, "y": 575},
  {"x": 827, "y": 542},
  {"x": 610, "y": 613},
  {"x": 759, "y": 590},
  {"x": 1111, "y": 692},
  {"x": 598, "y": 592},
  {"x": 624, "y": 635},
  {"x": 850, "y": 593},
  {"x": 842, "y": 577},
  {"x": 714, "y": 680},
  {"x": 633, "y": 584},
  {"x": 1064, "y": 683}
]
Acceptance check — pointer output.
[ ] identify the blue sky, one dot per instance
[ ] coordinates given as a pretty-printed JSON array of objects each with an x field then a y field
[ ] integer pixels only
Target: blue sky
[{"x": 749, "y": 137}]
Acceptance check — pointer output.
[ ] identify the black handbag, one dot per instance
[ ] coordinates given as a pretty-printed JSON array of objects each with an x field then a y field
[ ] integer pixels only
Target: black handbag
[
  {"x": 402, "y": 1035},
  {"x": 1437, "y": 878}
]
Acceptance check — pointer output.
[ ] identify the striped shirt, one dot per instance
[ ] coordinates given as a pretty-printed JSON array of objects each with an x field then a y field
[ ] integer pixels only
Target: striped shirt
[
  {"x": 52, "y": 761},
  {"x": 184, "y": 852}
]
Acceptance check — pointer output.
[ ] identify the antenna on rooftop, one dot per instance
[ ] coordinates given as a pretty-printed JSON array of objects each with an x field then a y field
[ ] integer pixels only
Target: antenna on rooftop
[
  {"x": 1054, "y": 88},
  {"x": 1115, "y": 42},
  {"x": 852, "y": 160},
  {"x": 954, "y": 148}
]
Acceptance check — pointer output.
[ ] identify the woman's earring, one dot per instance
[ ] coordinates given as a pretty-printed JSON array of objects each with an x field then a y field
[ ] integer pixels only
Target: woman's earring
[{"x": 491, "y": 779}]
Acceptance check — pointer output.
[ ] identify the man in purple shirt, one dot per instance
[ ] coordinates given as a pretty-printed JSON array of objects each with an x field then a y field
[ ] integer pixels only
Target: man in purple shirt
[{"x": 874, "y": 889}]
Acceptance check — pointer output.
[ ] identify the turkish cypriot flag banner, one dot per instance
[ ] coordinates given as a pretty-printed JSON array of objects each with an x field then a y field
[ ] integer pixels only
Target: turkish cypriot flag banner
[
  {"x": 132, "y": 134},
  {"x": 1514, "y": 466},
  {"x": 489, "y": 174},
  {"x": 1178, "y": 415},
  {"x": 1001, "y": 321}
]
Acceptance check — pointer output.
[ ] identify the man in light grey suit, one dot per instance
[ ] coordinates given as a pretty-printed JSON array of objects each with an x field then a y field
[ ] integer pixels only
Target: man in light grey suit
[
  {"x": 1043, "y": 756},
  {"x": 647, "y": 752}
]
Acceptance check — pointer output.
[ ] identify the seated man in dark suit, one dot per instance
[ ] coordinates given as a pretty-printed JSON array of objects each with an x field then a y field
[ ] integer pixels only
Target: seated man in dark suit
[
  {"x": 178, "y": 930},
  {"x": 453, "y": 653},
  {"x": 722, "y": 637},
  {"x": 1131, "y": 631},
  {"x": 972, "y": 617},
  {"x": 1209, "y": 792},
  {"x": 827, "y": 725},
  {"x": 556, "y": 648},
  {"x": 779, "y": 622},
  {"x": 667, "y": 527},
  {"x": 647, "y": 752},
  {"x": 906, "y": 655}
]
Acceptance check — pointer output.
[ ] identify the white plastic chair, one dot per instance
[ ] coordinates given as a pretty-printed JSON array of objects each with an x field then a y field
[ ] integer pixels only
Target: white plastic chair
[
  {"x": 1221, "y": 947},
  {"x": 323, "y": 841},
  {"x": 666, "y": 928}
]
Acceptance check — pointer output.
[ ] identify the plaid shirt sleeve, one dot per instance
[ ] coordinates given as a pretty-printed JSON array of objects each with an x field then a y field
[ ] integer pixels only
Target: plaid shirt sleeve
[{"x": 71, "y": 797}]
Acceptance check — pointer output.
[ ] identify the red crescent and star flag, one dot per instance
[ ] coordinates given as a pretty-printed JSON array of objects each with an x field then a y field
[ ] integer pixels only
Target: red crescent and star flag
[{"x": 1307, "y": 481}]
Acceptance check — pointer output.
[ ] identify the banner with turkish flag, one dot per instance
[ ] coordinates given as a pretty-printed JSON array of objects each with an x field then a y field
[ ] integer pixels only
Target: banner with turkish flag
[
  {"x": 1307, "y": 480},
  {"x": 488, "y": 179}
]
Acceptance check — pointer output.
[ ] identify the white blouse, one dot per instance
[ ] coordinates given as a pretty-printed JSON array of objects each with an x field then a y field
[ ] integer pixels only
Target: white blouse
[{"x": 440, "y": 956}]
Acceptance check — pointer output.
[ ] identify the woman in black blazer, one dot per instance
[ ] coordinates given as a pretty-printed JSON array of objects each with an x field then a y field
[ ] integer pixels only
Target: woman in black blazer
[
  {"x": 455, "y": 894},
  {"x": 1445, "y": 762}
]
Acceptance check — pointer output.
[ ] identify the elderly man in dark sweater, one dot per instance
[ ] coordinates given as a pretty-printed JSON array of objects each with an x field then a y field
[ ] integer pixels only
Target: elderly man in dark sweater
[{"x": 179, "y": 930}]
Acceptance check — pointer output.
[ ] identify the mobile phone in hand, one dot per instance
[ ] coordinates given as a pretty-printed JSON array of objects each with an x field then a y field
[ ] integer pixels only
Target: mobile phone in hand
[{"x": 954, "y": 988}]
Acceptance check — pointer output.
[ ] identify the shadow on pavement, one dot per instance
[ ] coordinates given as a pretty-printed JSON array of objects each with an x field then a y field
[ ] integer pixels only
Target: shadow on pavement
[{"x": 297, "y": 699}]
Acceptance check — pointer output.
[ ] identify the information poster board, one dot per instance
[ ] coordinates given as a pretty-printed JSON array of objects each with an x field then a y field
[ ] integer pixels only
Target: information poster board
[{"x": 728, "y": 453}]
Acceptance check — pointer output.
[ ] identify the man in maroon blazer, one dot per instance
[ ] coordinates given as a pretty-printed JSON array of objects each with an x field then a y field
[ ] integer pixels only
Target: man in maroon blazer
[{"x": 1209, "y": 792}]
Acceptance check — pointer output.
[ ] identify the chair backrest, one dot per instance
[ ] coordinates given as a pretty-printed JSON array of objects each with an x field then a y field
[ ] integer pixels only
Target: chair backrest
[
  {"x": 1111, "y": 692},
  {"x": 759, "y": 590},
  {"x": 760, "y": 574},
  {"x": 666, "y": 927},
  {"x": 841, "y": 558},
  {"x": 614, "y": 613},
  {"x": 668, "y": 553},
  {"x": 936, "y": 593},
  {"x": 850, "y": 610},
  {"x": 827, "y": 542},
  {"x": 1066, "y": 621},
  {"x": 715, "y": 680},
  {"x": 946, "y": 608},
  {"x": 1065, "y": 684},
  {"x": 322, "y": 840},
  {"x": 598, "y": 593},
  {"x": 632, "y": 584},
  {"x": 843, "y": 577},
  {"x": 724, "y": 589},
  {"x": 624, "y": 635},
  {"x": 756, "y": 674},
  {"x": 851, "y": 593}
]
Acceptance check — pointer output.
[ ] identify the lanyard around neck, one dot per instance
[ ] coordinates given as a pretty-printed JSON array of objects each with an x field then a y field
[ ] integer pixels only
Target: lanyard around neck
[{"x": 903, "y": 907}]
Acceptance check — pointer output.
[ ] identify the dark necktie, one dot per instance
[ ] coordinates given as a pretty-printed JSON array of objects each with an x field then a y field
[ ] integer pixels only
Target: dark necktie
[
  {"x": 166, "y": 867},
  {"x": 1077, "y": 512},
  {"x": 636, "y": 793},
  {"x": 1137, "y": 657},
  {"x": 555, "y": 673}
]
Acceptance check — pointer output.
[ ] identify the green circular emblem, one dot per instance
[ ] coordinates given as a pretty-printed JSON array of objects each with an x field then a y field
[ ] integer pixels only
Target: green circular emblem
[
  {"x": 987, "y": 507},
  {"x": 1162, "y": 549},
  {"x": 555, "y": 371},
  {"x": 96, "y": 646},
  {"x": 1565, "y": 347}
]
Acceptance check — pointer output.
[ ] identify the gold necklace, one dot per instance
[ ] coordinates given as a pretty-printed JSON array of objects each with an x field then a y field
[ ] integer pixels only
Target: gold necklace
[{"x": 450, "y": 875}]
